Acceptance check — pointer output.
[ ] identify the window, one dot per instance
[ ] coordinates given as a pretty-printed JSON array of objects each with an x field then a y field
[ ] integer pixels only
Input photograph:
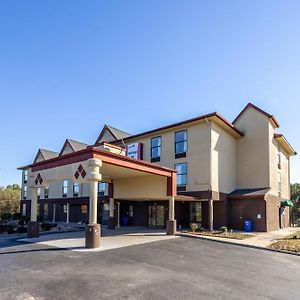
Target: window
[
  {"x": 279, "y": 184},
  {"x": 25, "y": 176},
  {"x": 65, "y": 188},
  {"x": 24, "y": 210},
  {"x": 76, "y": 188},
  {"x": 102, "y": 188},
  {"x": 65, "y": 208},
  {"x": 155, "y": 149},
  {"x": 279, "y": 159},
  {"x": 46, "y": 192},
  {"x": 38, "y": 193},
  {"x": 181, "y": 174},
  {"x": 25, "y": 192},
  {"x": 131, "y": 211},
  {"x": 84, "y": 209},
  {"x": 46, "y": 210},
  {"x": 195, "y": 212},
  {"x": 180, "y": 143}
]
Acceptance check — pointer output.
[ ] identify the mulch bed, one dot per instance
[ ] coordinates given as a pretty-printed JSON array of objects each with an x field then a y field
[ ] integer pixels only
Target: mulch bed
[
  {"x": 290, "y": 243},
  {"x": 221, "y": 234}
]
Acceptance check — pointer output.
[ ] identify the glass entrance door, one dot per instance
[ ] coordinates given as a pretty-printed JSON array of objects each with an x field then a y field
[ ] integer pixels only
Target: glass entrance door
[{"x": 156, "y": 216}]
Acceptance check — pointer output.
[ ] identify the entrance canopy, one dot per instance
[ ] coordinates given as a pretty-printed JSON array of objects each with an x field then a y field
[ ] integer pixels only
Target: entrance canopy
[{"x": 130, "y": 178}]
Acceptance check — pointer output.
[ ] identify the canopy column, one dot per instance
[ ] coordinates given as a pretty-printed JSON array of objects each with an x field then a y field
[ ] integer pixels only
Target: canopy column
[
  {"x": 92, "y": 230},
  {"x": 33, "y": 229},
  {"x": 171, "y": 224}
]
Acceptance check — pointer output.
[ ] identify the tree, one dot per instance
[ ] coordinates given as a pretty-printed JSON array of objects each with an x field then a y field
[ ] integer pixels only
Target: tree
[
  {"x": 10, "y": 198},
  {"x": 295, "y": 197}
]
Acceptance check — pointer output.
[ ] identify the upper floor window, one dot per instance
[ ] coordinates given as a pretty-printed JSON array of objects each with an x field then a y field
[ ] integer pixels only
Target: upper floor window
[
  {"x": 279, "y": 159},
  {"x": 39, "y": 193},
  {"x": 103, "y": 188},
  {"x": 25, "y": 192},
  {"x": 25, "y": 176},
  {"x": 76, "y": 188},
  {"x": 46, "y": 192},
  {"x": 155, "y": 149},
  {"x": 65, "y": 188},
  {"x": 279, "y": 184},
  {"x": 180, "y": 143},
  {"x": 181, "y": 174}
]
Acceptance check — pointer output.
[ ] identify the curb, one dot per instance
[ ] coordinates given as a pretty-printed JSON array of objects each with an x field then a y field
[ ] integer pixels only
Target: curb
[{"x": 237, "y": 244}]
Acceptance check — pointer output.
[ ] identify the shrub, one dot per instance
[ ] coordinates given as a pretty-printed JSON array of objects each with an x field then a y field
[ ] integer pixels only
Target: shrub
[
  {"x": 48, "y": 226},
  {"x": 21, "y": 229},
  {"x": 10, "y": 229},
  {"x": 194, "y": 227},
  {"x": 224, "y": 229}
]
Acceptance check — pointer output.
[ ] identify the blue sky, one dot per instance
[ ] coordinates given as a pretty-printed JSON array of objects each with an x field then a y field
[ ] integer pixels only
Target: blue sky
[{"x": 68, "y": 67}]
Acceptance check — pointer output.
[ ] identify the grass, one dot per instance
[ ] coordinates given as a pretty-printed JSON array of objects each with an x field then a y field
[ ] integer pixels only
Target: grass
[
  {"x": 289, "y": 243},
  {"x": 221, "y": 234}
]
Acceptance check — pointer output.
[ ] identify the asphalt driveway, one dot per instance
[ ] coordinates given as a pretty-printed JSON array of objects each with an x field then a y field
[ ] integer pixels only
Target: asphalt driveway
[{"x": 181, "y": 268}]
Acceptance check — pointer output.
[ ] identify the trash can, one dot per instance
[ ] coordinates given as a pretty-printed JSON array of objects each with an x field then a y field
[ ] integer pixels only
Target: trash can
[
  {"x": 248, "y": 225},
  {"x": 125, "y": 220}
]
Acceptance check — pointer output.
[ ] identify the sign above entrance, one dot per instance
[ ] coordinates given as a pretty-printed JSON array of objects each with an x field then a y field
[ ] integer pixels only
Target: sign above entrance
[{"x": 135, "y": 150}]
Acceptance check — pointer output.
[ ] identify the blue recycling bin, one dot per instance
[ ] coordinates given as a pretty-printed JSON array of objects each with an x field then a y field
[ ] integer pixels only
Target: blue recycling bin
[
  {"x": 125, "y": 220},
  {"x": 248, "y": 225}
]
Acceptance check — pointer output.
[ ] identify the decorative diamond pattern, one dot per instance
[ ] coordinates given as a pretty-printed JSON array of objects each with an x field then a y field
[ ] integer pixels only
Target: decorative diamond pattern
[
  {"x": 80, "y": 171},
  {"x": 39, "y": 179}
]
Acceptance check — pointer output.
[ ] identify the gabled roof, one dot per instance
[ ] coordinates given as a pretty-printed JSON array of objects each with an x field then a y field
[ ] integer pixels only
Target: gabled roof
[
  {"x": 46, "y": 154},
  {"x": 250, "y": 105},
  {"x": 116, "y": 133},
  {"x": 214, "y": 116},
  {"x": 75, "y": 145},
  {"x": 282, "y": 141}
]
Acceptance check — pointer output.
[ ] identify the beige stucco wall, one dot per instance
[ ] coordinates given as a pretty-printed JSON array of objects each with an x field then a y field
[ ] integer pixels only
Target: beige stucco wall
[
  {"x": 274, "y": 170},
  {"x": 196, "y": 156},
  {"x": 224, "y": 150},
  {"x": 253, "y": 150},
  {"x": 144, "y": 187}
]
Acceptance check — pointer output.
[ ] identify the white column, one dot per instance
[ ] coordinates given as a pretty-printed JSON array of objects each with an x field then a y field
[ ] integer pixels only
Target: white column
[
  {"x": 118, "y": 222},
  {"x": 211, "y": 215},
  {"x": 111, "y": 207},
  {"x": 54, "y": 213},
  {"x": 171, "y": 208},
  {"x": 33, "y": 213},
  {"x": 68, "y": 212},
  {"x": 93, "y": 202}
]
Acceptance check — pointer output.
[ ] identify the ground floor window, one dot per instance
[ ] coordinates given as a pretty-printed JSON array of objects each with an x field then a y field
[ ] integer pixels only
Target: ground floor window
[
  {"x": 46, "y": 210},
  {"x": 24, "y": 210},
  {"x": 84, "y": 209},
  {"x": 105, "y": 212},
  {"x": 195, "y": 212},
  {"x": 65, "y": 208}
]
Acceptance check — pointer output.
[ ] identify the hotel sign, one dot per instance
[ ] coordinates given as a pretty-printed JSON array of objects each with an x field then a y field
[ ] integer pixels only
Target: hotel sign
[{"x": 134, "y": 150}]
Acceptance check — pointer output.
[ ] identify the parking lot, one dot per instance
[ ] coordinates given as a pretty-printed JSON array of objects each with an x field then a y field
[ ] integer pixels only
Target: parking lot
[{"x": 180, "y": 268}]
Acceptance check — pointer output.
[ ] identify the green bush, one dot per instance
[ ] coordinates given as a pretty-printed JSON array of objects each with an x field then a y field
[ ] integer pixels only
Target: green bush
[
  {"x": 194, "y": 227},
  {"x": 11, "y": 229},
  {"x": 224, "y": 229},
  {"x": 21, "y": 229},
  {"x": 47, "y": 226}
]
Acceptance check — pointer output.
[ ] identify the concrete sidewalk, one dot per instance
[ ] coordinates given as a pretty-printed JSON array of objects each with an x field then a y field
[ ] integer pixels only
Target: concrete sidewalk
[
  {"x": 260, "y": 240},
  {"x": 110, "y": 239}
]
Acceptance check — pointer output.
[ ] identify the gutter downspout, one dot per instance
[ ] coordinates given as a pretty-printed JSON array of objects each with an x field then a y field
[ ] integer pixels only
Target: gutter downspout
[{"x": 210, "y": 200}]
